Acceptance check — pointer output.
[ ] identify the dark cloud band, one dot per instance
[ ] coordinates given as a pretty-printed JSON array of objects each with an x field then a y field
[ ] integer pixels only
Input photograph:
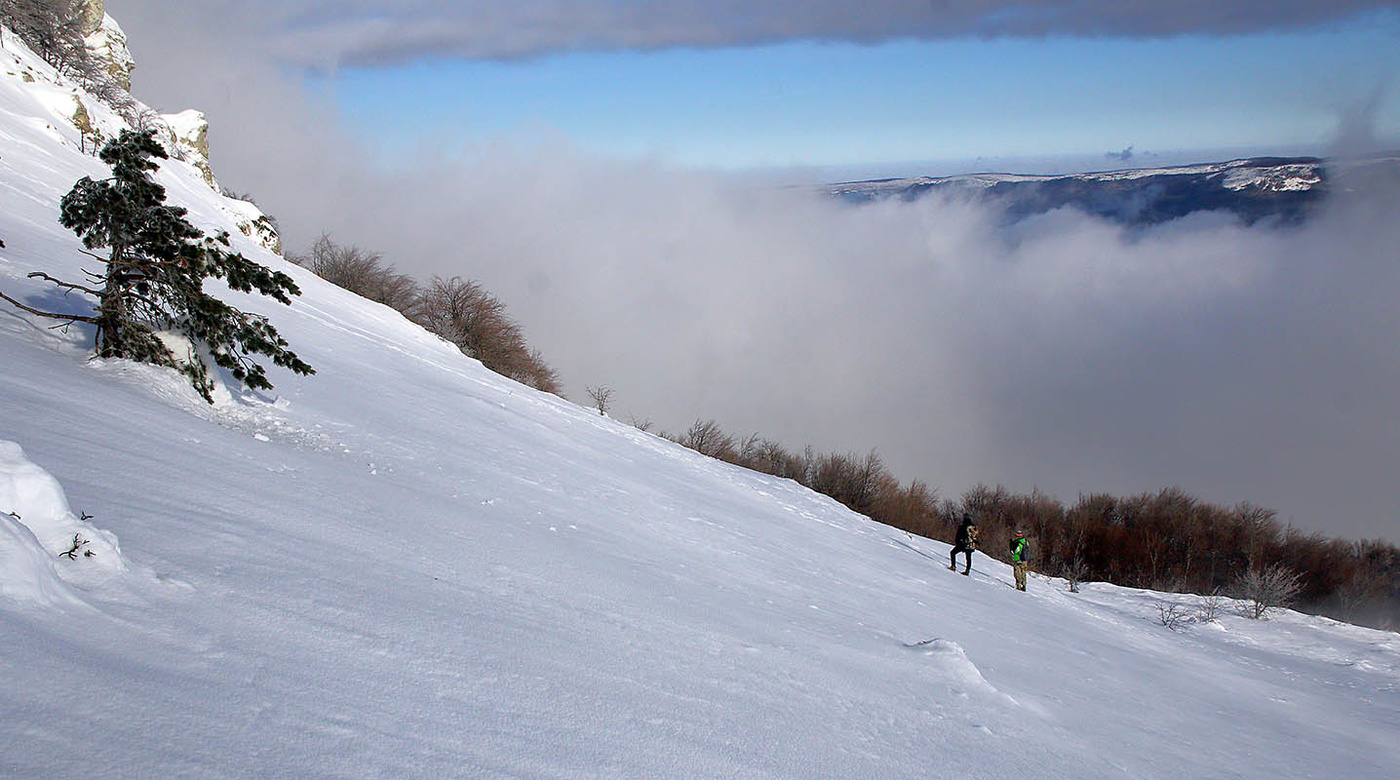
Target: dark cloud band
[{"x": 366, "y": 32}]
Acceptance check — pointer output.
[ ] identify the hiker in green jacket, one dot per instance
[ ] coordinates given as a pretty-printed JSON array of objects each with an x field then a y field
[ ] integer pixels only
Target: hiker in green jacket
[{"x": 1020, "y": 553}]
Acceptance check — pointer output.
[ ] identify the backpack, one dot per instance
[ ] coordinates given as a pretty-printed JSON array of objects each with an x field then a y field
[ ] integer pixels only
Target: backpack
[{"x": 1019, "y": 542}]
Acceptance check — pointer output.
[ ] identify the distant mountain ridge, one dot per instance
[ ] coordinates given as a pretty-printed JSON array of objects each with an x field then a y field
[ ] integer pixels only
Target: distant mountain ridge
[{"x": 1286, "y": 189}]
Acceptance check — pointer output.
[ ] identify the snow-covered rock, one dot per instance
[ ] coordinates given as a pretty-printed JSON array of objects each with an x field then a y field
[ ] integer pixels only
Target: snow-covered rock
[{"x": 185, "y": 135}]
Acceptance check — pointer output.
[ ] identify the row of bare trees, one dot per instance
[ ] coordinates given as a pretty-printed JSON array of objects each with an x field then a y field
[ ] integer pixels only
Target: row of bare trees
[
  {"x": 1167, "y": 540},
  {"x": 53, "y": 29},
  {"x": 457, "y": 309},
  {"x": 1173, "y": 541},
  {"x": 56, "y": 31},
  {"x": 861, "y": 482}
]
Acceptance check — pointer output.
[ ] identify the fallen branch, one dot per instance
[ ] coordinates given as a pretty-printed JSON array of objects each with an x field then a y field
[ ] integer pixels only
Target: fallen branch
[
  {"x": 78, "y": 543},
  {"x": 51, "y": 315}
]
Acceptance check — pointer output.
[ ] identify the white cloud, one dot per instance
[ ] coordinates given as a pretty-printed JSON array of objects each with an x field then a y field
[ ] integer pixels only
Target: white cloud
[{"x": 1064, "y": 352}]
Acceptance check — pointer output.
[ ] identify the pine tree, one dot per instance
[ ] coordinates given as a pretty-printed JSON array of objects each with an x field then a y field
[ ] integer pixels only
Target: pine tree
[{"x": 154, "y": 273}]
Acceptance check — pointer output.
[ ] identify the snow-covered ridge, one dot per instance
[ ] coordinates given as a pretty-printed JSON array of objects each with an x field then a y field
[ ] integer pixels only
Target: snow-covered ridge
[
  {"x": 1252, "y": 189},
  {"x": 1266, "y": 173}
]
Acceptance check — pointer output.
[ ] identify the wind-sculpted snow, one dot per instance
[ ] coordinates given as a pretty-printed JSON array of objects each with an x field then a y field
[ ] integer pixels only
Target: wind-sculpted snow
[{"x": 43, "y": 546}]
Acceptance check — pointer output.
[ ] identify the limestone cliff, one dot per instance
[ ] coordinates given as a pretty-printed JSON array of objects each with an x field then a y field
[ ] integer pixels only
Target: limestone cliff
[{"x": 107, "y": 42}]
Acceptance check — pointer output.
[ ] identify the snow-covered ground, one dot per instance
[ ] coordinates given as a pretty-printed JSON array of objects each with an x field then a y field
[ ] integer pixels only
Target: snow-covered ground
[{"x": 407, "y": 566}]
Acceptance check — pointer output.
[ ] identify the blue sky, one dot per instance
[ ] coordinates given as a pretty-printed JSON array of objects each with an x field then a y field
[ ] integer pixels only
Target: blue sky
[{"x": 826, "y": 104}]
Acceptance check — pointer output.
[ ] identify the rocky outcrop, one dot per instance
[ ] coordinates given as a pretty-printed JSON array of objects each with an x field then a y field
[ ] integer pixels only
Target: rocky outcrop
[
  {"x": 82, "y": 119},
  {"x": 107, "y": 42},
  {"x": 92, "y": 12},
  {"x": 186, "y": 136}
]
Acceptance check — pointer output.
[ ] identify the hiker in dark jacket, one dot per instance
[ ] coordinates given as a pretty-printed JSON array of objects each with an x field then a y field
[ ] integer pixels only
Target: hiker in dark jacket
[{"x": 965, "y": 542}]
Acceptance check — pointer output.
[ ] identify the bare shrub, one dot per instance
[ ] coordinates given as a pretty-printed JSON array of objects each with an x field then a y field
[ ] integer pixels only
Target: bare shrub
[
  {"x": 708, "y": 438},
  {"x": 462, "y": 312},
  {"x": 361, "y": 272},
  {"x": 913, "y": 508},
  {"x": 536, "y": 373},
  {"x": 1075, "y": 572},
  {"x": 78, "y": 544},
  {"x": 459, "y": 310},
  {"x": 1172, "y": 615},
  {"x": 1209, "y": 610},
  {"x": 142, "y": 118},
  {"x": 1271, "y": 587},
  {"x": 770, "y": 457},
  {"x": 56, "y": 31},
  {"x": 853, "y": 481}
]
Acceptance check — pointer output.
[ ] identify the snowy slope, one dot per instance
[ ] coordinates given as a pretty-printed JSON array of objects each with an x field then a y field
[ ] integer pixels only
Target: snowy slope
[{"x": 407, "y": 566}]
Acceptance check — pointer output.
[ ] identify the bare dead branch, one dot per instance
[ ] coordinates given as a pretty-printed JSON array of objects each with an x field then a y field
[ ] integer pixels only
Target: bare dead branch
[
  {"x": 78, "y": 543},
  {"x": 61, "y": 283},
  {"x": 69, "y": 317}
]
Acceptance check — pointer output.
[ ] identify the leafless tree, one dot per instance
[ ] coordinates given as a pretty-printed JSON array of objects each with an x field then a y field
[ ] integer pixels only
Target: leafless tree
[
  {"x": 53, "y": 29},
  {"x": 1263, "y": 589},
  {"x": 1261, "y": 528},
  {"x": 601, "y": 395},
  {"x": 1075, "y": 572}
]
